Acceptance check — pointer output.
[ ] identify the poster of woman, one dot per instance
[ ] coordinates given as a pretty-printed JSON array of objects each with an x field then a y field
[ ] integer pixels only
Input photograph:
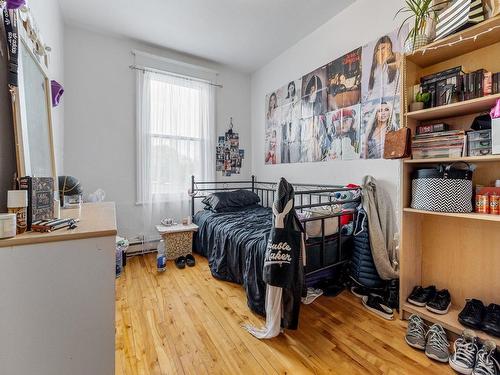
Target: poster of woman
[
  {"x": 272, "y": 149},
  {"x": 381, "y": 66},
  {"x": 344, "y": 80},
  {"x": 290, "y": 93},
  {"x": 314, "y": 93},
  {"x": 351, "y": 132},
  {"x": 290, "y": 141},
  {"x": 272, "y": 111},
  {"x": 333, "y": 143},
  {"x": 379, "y": 117}
]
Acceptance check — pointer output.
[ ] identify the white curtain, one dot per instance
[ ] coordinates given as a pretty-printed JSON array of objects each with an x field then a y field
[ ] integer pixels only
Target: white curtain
[{"x": 176, "y": 139}]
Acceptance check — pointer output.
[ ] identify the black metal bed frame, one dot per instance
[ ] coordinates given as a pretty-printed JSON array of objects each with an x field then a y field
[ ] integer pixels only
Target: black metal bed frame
[{"x": 310, "y": 196}]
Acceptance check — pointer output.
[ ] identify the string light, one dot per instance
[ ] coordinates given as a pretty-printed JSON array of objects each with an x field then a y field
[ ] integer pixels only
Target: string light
[{"x": 460, "y": 40}]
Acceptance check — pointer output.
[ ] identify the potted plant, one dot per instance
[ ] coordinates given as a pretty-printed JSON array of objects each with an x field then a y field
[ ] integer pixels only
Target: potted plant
[
  {"x": 421, "y": 99},
  {"x": 420, "y": 13}
]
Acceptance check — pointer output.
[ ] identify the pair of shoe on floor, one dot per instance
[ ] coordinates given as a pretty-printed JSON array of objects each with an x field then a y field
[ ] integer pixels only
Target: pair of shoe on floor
[
  {"x": 433, "y": 341},
  {"x": 467, "y": 357},
  {"x": 471, "y": 358},
  {"x": 373, "y": 302},
  {"x": 436, "y": 301},
  {"x": 476, "y": 315},
  {"x": 183, "y": 260}
]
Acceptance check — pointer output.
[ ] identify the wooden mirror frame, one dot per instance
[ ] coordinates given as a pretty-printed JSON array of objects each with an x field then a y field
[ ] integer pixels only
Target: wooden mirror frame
[{"x": 30, "y": 39}]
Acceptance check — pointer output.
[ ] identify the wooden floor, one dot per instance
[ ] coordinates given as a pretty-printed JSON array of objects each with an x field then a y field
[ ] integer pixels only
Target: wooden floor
[{"x": 187, "y": 322}]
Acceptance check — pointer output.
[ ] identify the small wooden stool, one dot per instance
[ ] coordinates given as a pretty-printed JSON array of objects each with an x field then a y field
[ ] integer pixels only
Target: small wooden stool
[{"x": 178, "y": 239}]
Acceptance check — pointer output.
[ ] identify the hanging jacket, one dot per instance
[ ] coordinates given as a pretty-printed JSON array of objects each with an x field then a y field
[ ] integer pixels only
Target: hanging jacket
[
  {"x": 363, "y": 269},
  {"x": 383, "y": 228}
]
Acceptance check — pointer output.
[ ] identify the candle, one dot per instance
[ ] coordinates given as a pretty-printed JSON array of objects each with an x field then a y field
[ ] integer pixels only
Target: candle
[{"x": 17, "y": 202}]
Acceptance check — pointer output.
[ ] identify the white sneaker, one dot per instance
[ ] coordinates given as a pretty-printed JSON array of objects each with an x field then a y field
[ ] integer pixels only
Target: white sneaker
[{"x": 485, "y": 360}]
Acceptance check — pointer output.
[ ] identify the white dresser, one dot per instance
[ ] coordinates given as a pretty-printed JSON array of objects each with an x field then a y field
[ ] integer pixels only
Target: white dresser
[{"x": 57, "y": 298}]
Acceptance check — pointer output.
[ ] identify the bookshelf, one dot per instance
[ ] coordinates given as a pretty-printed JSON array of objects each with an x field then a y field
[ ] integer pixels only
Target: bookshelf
[{"x": 459, "y": 252}]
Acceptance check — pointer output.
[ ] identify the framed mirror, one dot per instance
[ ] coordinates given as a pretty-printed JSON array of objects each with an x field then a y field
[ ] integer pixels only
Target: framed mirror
[{"x": 32, "y": 105}]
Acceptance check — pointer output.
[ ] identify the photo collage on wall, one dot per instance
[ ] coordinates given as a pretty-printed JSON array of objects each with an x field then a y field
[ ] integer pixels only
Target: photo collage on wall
[
  {"x": 340, "y": 111},
  {"x": 229, "y": 156}
]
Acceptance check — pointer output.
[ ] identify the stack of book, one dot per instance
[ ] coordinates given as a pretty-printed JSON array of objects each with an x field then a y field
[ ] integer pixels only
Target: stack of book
[{"x": 438, "y": 144}]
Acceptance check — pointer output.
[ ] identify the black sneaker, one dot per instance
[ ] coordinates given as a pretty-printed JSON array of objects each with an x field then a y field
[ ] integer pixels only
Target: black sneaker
[
  {"x": 360, "y": 291},
  {"x": 392, "y": 294},
  {"x": 472, "y": 314},
  {"x": 491, "y": 321},
  {"x": 486, "y": 364},
  {"x": 376, "y": 304},
  {"x": 420, "y": 296},
  {"x": 441, "y": 302}
]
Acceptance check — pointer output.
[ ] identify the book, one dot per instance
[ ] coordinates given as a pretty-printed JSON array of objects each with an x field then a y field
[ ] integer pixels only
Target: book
[
  {"x": 431, "y": 128},
  {"x": 40, "y": 198}
]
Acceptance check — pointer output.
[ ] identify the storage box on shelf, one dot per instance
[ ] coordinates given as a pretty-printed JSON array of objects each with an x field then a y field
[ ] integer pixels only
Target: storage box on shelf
[{"x": 459, "y": 252}]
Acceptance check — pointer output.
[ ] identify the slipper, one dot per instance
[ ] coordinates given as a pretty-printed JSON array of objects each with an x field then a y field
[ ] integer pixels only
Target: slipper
[
  {"x": 180, "y": 262},
  {"x": 190, "y": 261}
]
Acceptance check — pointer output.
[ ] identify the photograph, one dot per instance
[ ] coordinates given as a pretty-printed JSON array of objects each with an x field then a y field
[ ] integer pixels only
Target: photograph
[
  {"x": 381, "y": 60},
  {"x": 314, "y": 93},
  {"x": 333, "y": 144},
  {"x": 310, "y": 150},
  {"x": 290, "y": 141},
  {"x": 290, "y": 93},
  {"x": 272, "y": 111},
  {"x": 350, "y": 132},
  {"x": 344, "y": 80}
]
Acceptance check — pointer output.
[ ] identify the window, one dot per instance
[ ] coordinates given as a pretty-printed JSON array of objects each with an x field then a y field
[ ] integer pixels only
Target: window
[{"x": 175, "y": 135}]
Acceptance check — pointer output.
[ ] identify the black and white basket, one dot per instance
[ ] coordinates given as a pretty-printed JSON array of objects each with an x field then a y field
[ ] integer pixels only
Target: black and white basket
[
  {"x": 459, "y": 15},
  {"x": 442, "y": 189}
]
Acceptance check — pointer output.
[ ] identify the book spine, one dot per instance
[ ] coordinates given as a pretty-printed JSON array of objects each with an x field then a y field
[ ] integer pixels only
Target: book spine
[{"x": 25, "y": 183}]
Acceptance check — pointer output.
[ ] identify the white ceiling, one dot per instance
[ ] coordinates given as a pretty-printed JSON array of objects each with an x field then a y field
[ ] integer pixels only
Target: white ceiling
[{"x": 245, "y": 34}]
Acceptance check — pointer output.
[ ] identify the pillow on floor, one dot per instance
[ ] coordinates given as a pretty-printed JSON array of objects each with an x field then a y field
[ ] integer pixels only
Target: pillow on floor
[{"x": 230, "y": 200}]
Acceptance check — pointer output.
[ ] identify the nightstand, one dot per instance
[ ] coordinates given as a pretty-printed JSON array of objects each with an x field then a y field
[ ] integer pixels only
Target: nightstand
[{"x": 178, "y": 239}]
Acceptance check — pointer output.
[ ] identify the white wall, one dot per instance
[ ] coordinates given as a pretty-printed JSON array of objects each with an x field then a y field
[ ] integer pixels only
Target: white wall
[
  {"x": 99, "y": 140},
  {"x": 358, "y": 24},
  {"x": 49, "y": 19}
]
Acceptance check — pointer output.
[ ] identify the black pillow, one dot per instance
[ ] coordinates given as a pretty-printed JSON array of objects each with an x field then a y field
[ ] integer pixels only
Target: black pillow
[{"x": 230, "y": 200}]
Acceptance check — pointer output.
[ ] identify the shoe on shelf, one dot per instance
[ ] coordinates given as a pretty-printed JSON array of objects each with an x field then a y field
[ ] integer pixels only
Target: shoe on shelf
[
  {"x": 376, "y": 304},
  {"x": 420, "y": 296},
  {"x": 486, "y": 363},
  {"x": 463, "y": 358},
  {"x": 415, "y": 334},
  {"x": 437, "y": 344},
  {"x": 180, "y": 262},
  {"x": 190, "y": 261},
  {"x": 360, "y": 291},
  {"x": 441, "y": 302},
  {"x": 491, "y": 320},
  {"x": 472, "y": 314}
]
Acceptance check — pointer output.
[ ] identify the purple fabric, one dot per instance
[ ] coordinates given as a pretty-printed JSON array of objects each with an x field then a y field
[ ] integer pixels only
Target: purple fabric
[
  {"x": 57, "y": 91},
  {"x": 15, "y": 4}
]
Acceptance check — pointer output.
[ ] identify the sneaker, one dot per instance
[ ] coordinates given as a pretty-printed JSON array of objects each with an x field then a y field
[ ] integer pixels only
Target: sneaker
[
  {"x": 465, "y": 350},
  {"x": 486, "y": 363},
  {"x": 392, "y": 292},
  {"x": 472, "y": 314},
  {"x": 415, "y": 334},
  {"x": 376, "y": 304},
  {"x": 360, "y": 291},
  {"x": 420, "y": 296},
  {"x": 491, "y": 321},
  {"x": 441, "y": 302},
  {"x": 437, "y": 344}
]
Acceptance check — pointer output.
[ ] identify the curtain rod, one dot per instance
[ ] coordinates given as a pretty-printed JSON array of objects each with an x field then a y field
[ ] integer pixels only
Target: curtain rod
[{"x": 143, "y": 69}]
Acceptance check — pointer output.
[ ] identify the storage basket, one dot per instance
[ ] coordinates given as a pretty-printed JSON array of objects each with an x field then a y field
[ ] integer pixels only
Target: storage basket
[
  {"x": 443, "y": 189},
  {"x": 459, "y": 15}
]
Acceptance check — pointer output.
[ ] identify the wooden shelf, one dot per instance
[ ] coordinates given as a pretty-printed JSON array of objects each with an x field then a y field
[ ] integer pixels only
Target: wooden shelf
[
  {"x": 449, "y": 321},
  {"x": 472, "y": 215},
  {"x": 468, "y": 159},
  {"x": 425, "y": 57},
  {"x": 466, "y": 107}
]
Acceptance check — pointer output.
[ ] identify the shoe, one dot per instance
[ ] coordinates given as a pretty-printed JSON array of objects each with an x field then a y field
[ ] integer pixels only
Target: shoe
[
  {"x": 472, "y": 314},
  {"x": 465, "y": 350},
  {"x": 486, "y": 363},
  {"x": 491, "y": 321},
  {"x": 441, "y": 302},
  {"x": 393, "y": 294},
  {"x": 437, "y": 344},
  {"x": 360, "y": 291},
  {"x": 190, "y": 261},
  {"x": 376, "y": 304},
  {"x": 420, "y": 296},
  {"x": 415, "y": 334},
  {"x": 180, "y": 262}
]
